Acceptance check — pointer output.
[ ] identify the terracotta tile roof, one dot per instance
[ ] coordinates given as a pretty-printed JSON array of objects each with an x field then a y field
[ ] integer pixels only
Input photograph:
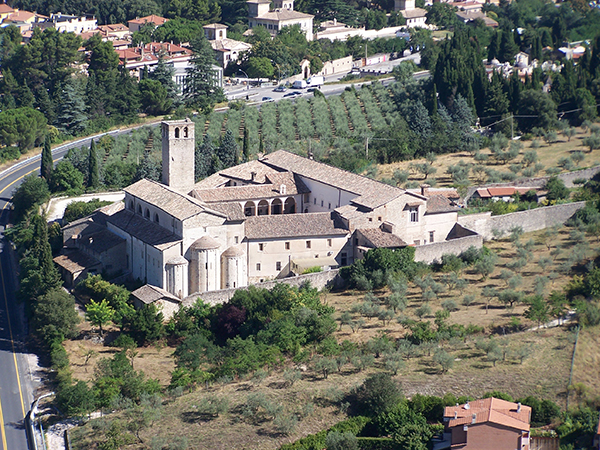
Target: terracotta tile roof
[
  {"x": 144, "y": 230},
  {"x": 241, "y": 172},
  {"x": 173, "y": 203},
  {"x": 414, "y": 13},
  {"x": 232, "y": 210},
  {"x": 439, "y": 204},
  {"x": 378, "y": 238},
  {"x": 112, "y": 27},
  {"x": 21, "y": 16},
  {"x": 75, "y": 261},
  {"x": 501, "y": 191},
  {"x": 4, "y": 8},
  {"x": 229, "y": 44},
  {"x": 292, "y": 183},
  {"x": 483, "y": 193},
  {"x": 157, "y": 20},
  {"x": 292, "y": 225},
  {"x": 370, "y": 193},
  {"x": 149, "y": 294},
  {"x": 492, "y": 410}
]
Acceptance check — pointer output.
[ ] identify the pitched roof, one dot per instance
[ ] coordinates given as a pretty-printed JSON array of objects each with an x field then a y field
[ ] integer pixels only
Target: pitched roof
[
  {"x": 157, "y": 20},
  {"x": 414, "y": 13},
  {"x": 215, "y": 26},
  {"x": 292, "y": 183},
  {"x": 144, "y": 230},
  {"x": 229, "y": 44},
  {"x": 149, "y": 294},
  {"x": 243, "y": 172},
  {"x": 292, "y": 225},
  {"x": 101, "y": 241},
  {"x": 172, "y": 202},
  {"x": 370, "y": 193},
  {"x": 439, "y": 204},
  {"x": 75, "y": 261},
  {"x": 492, "y": 410},
  {"x": 4, "y": 8},
  {"x": 377, "y": 238}
]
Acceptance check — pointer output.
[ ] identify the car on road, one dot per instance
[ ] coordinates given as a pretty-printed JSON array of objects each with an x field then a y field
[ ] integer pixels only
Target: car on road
[
  {"x": 292, "y": 94},
  {"x": 268, "y": 99},
  {"x": 280, "y": 89},
  {"x": 313, "y": 89}
]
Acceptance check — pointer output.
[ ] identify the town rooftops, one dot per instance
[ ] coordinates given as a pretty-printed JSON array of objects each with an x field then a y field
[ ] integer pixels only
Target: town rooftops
[
  {"x": 370, "y": 193},
  {"x": 292, "y": 225},
  {"x": 149, "y": 294},
  {"x": 494, "y": 410},
  {"x": 173, "y": 203}
]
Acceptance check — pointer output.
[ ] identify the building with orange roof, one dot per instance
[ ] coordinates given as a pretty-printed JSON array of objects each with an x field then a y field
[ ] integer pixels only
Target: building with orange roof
[
  {"x": 486, "y": 424},
  {"x": 136, "y": 24},
  {"x": 5, "y": 11}
]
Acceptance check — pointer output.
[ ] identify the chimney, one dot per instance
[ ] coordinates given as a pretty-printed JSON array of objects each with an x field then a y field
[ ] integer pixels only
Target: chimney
[
  {"x": 425, "y": 190},
  {"x": 252, "y": 176},
  {"x": 519, "y": 407},
  {"x": 467, "y": 406},
  {"x": 473, "y": 418},
  {"x": 456, "y": 414},
  {"x": 334, "y": 21}
]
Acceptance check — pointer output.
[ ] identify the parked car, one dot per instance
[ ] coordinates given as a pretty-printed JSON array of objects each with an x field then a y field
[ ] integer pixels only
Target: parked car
[
  {"x": 268, "y": 99},
  {"x": 280, "y": 89},
  {"x": 293, "y": 94}
]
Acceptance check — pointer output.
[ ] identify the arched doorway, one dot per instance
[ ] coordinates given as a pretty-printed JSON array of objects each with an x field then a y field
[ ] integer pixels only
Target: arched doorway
[
  {"x": 276, "y": 206},
  {"x": 263, "y": 208},
  {"x": 249, "y": 209},
  {"x": 290, "y": 206}
]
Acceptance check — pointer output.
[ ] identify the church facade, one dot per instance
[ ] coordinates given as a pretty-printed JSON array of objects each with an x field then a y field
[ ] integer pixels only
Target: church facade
[{"x": 278, "y": 216}]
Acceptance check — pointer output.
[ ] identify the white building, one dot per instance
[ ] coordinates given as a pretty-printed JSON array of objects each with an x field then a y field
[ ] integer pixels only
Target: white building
[
  {"x": 283, "y": 15},
  {"x": 266, "y": 219},
  {"x": 227, "y": 50},
  {"x": 415, "y": 17},
  {"x": 66, "y": 23}
]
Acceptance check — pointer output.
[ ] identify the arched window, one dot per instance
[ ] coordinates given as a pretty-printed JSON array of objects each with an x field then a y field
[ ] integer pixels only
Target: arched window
[
  {"x": 185, "y": 132},
  {"x": 131, "y": 205},
  {"x": 263, "y": 208},
  {"x": 156, "y": 217},
  {"x": 140, "y": 210},
  {"x": 147, "y": 213},
  {"x": 276, "y": 206},
  {"x": 176, "y": 132},
  {"x": 249, "y": 209},
  {"x": 290, "y": 206}
]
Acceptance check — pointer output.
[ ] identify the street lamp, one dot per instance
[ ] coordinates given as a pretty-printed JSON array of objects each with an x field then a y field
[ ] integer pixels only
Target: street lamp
[{"x": 247, "y": 79}]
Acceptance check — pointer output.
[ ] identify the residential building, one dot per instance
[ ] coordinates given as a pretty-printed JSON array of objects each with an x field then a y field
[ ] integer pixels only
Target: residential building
[
  {"x": 266, "y": 219},
  {"x": 139, "y": 22},
  {"x": 66, "y": 23},
  {"x": 283, "y": 15},
  {"x": 415, "y": 17},
  {"x": 486, "y": 424},
  {"x": 5, "y": 11},
  {"x": 227, "y": 50}
]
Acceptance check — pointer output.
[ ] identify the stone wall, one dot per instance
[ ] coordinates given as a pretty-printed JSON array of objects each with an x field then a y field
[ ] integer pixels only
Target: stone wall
[
  {"x": 319, "y": 280},
  {"x": 433, "y": 252},
  {"x": 531, "y": 220}
]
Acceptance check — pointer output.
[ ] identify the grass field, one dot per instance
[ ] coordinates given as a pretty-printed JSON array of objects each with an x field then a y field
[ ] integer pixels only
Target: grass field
[{"x": 544, "y": 373}]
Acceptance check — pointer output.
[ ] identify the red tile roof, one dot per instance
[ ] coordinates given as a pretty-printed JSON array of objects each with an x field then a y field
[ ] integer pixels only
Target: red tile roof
[
  {"x": 493, "y": 410},
  {"x": 156, "y": 20}
]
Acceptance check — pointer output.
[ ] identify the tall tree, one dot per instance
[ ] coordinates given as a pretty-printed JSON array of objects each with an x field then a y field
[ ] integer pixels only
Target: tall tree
[
  {"x": 165, "y": 73},
  {"x": 72, "y": 118},
  {"x": 201, "y": 89},
  {"x": 93, "y": 168},
  {"x": 246, "y": 146},
  {"x": 228, "y": 152},
  {"x": 204, "y": 158},
  {"x": 47, "y": 163}
]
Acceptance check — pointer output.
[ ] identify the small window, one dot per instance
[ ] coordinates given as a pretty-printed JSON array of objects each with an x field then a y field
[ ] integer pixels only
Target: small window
[
  {"x": 370, "y": 219},
  {"x": 185, "y": 132},
  {"x": 261, "y": 247},
  {"x": 156, "y": 219},
  {"x": 176, "y": 133},
  {"x": 131, "y": 207},
  {"x": 417, "y": 242},
  {"x": 355, "y": 241},
  {"x": 431, "y": 236},
  {"x": 414, "y": 214},
  {"x": 278, "y": 265},
  {"x": 258, "y": 267},
  {"x": 140, "y": 209},
  {"x": 322, "y": 203},
  {"x": 328, "y": 242},
  {"x": 147, "y": 213},
  {"x": 307, "y": 198},
  {"x": 379, "y": 218},
  {"x": 314, "y": 201},
  {"x": 236, "y": 239},
  {"x": 329, "y": 207},
  {"x": 308, "y": 244},
  {"x": 287, "y": 245},
  {"x": 344, "y": 259}
]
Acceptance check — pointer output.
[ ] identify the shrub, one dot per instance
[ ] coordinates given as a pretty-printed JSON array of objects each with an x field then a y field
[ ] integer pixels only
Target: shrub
[
  {"x": 341, "y": 441},
  {"x": 378, "y": 394}
]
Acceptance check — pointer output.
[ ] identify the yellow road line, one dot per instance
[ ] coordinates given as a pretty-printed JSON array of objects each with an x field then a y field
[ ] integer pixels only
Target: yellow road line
[{"x": 2, "y": 431}]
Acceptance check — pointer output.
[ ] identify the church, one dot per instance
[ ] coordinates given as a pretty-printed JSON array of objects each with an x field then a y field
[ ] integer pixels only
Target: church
[{"x": 278, "y": 216}]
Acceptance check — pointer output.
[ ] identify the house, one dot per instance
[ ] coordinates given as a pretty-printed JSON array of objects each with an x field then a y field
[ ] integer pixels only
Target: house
[
  {"x": 283, "y": 15},
  {"x": 227, "y": 50},
  {"x": 165, "y": 302},
  {"x": 114, "y": 32},
  {"x": 415, "y": 17},
  {"x": 279, "y": 216},
  {"x": 137, "y": 23},
  {"x": 65, "y": 23},
  {"x": 506, "y": 193},
  {"x": 5, "y": 11},
  {"x": 24, "y": 20},
  {"x": 486, "y": 424}
]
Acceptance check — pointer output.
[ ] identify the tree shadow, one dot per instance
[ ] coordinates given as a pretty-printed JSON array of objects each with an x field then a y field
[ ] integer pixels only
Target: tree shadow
[{"x": 196, "y": 416}]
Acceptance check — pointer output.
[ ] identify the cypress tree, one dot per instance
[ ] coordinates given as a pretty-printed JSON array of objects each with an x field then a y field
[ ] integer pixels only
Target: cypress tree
[
  {"x": 204, "y": 158},
  {"x": 246, "y": 146},
  {"x": 47, "y": 163},
  {"x": 228, "y": 150},
  {"x": 261, "y": 145},
  {"x": 93, "y": 172}
]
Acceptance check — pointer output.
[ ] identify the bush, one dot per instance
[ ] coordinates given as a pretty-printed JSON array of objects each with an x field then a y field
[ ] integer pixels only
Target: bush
[
  {"x": 378, "y": 394},
  {"x": 341, "y": 441},
  {"x": 77, "y": 210}
]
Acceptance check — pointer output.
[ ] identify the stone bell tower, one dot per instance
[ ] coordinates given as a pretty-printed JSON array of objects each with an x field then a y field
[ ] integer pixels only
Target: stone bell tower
[{"x": 178, "y": 148}]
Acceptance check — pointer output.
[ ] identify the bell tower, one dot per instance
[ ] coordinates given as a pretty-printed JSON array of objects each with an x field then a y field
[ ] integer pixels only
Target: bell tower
[{"x": 178, "y": 148}]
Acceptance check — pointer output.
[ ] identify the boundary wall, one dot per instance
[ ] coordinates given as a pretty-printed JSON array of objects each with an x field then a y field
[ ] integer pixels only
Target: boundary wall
[
  {"x": 433, "y": 252},
  {"x": 531, "y": 220},
  {"x": 319, "y": 280}
]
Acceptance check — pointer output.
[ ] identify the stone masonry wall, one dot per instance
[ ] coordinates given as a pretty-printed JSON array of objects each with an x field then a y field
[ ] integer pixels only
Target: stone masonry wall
[
  {"x": 433, "y": 252},
  {"x": 318, "y": 280},
  {"x": 531, "y": 220}
]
